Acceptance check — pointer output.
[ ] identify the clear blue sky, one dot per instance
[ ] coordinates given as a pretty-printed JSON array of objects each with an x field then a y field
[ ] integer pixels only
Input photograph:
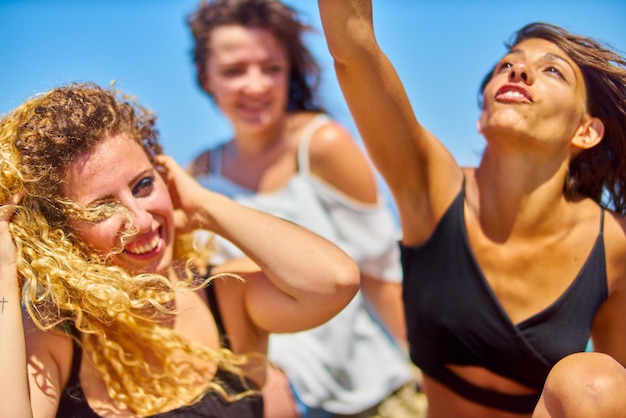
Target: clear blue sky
[{"x": 441, "y": 50}]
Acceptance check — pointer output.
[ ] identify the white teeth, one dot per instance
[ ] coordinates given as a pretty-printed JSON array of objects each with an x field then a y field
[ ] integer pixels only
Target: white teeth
[
  {"x": 145, "y": 248},
  {"x": 513, "y": 94}
]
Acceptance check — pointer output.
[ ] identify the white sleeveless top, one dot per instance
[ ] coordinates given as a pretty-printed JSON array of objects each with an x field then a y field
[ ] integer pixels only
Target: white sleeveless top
[{"x": 349, "y": 363}]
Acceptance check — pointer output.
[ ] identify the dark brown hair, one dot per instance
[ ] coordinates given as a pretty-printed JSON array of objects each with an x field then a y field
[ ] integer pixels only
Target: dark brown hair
[
  {"x": 599, "y": 172},
  {"x": 280, "y": 20}
]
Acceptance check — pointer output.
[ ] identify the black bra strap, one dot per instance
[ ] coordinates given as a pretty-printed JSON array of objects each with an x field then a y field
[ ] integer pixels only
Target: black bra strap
[
  {"x": 215, "y": 310},
  {"x": 602, "y": 220}
]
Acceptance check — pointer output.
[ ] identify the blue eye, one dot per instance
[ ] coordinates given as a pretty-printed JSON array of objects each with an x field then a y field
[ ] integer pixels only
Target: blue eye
[{"x": 144, "y": 186}]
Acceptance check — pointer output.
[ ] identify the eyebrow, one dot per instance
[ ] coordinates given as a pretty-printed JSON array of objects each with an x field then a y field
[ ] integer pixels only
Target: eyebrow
[
  {"x": 561, "y": 59},
  {"x": 111, "y": 196},
  {"x": 550, "y": 55}
]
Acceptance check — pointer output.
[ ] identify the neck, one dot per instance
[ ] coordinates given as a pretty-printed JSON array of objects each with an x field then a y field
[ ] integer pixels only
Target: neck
[
  {"x": 518, "y": 194},
  {"x": 252, "y": 144}
]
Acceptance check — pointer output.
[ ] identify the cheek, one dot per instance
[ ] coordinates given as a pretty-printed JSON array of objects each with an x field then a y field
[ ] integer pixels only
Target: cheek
[
  {"x": 281, "y": 89},
  {"x": 102, "y": 236},
  {"x": 224, "y": 92},
  {"x": 162, "y": 205},
  {"x": 282, "y": 82},
  {"x": 566, "y": 105}
]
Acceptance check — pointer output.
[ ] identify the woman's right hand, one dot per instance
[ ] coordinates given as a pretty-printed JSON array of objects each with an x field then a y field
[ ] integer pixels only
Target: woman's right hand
[{"x": 7, "y": 247}]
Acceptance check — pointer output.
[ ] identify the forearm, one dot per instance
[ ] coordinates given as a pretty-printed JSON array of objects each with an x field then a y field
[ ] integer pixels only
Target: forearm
[
  {"x": 372, "y": 89},
  {"x": 385, "y": 298},
  {"x": 297, "y": 261},
  {"x": 14, "y": 392}
]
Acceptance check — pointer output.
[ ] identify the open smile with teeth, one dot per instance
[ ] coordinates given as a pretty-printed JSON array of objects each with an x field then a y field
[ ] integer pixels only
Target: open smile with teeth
[
  {"x": 146, "y": 248},
  {"x": 513, "y": 95}
]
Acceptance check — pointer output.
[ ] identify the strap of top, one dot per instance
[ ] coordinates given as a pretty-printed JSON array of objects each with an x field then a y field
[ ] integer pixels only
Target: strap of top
[
  {"x": 215, "y": 162},
  {"x": 77, "y": 356},
  {"x": 215, "y": 310},
  {"x": 305, "y": 139},
  {"x": 601, "y": 220},
  {"x": 215, "y": 156}
]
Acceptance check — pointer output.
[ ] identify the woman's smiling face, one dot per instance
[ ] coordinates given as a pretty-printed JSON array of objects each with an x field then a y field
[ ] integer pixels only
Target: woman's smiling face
[
  {"x": 248, "y": 76},
  {"x": 536, "y": 90},
  {"x": 118, "y": 170}
]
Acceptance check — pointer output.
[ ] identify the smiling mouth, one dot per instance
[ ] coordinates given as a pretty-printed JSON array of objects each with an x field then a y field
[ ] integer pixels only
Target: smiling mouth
[
  {"x": 512, "y": 95},
  {"x": 146, "y": 248}
]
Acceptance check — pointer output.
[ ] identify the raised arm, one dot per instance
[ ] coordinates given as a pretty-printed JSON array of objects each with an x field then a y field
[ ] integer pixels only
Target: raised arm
[
  {"x": 14, "y": 396},
  {"x": 306, "y": 279},
  {"x": 29, "y": 358},
  {"x": 420, "y": 172}
]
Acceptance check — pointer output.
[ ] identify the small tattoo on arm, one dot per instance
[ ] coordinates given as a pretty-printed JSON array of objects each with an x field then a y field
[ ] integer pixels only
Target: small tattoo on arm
[{"x": 3, "y": 301}]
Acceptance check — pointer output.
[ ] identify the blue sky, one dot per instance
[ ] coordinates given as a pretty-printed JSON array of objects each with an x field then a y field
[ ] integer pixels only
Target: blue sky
[{"x": 441, "y": 50}]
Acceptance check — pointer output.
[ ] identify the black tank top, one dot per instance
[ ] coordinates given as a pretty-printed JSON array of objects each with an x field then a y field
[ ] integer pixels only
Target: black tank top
[
  {"x": 74, "y": 405},
  {"x": 453, "y": 317}
]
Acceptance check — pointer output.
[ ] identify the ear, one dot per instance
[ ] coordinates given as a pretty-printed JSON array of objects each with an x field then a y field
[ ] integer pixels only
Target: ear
[
  {"x": 589, "y": 134},
  {"x": 479, "y": 127}
]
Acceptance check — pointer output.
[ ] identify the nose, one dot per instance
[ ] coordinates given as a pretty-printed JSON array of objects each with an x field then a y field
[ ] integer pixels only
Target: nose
[
  {"x": 141, "y": 217},
  {"x": 520, "y": 72},
  {"x": 256, "y": 82}
]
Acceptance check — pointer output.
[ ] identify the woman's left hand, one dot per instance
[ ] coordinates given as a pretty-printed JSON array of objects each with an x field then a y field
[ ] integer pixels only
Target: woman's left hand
[{"x": 186, "y": 193}]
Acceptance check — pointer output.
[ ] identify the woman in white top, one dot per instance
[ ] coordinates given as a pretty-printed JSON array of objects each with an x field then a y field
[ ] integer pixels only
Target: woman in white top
[{"x": 289, "y": 159}]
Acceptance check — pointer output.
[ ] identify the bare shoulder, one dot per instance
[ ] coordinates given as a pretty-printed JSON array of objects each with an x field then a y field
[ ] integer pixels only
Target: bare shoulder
[
  {"x": 49, "y": 355},
  {"x": 330, "y": 138},
  {"x": 337, "y": 159},
  {"x": 615, "y": 232},
  {"x": 615, "y": 244},
  {"x": 39, "y": 340},
  {"x": 609, "y": 327}
]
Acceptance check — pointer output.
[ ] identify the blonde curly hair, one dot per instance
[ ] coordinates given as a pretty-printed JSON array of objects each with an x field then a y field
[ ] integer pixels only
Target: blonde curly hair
[{"x": 119, "y": 316}]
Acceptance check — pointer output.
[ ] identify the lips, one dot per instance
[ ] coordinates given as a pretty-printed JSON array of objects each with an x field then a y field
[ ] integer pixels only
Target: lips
[{"x": 513, "y": 93}]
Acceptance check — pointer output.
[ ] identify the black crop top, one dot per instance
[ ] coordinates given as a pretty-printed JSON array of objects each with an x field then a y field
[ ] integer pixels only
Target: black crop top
[
  {"x": 74, "y": 405},
  {"x": 453, "y": 317}
]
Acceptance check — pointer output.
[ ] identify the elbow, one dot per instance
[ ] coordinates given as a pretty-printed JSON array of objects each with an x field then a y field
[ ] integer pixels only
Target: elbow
[{"x": 347, "y": 280}]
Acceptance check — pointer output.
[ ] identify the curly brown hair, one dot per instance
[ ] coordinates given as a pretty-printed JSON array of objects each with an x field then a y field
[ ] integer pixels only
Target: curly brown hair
[
  {"x": 70, "y": 121},
  {"x": 271, "y": 15}
]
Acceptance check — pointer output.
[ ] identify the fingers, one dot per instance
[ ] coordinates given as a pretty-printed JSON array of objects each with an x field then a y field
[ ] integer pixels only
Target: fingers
[
  {"x": 7, "y": 209},
  {"x": 165, "y": 162}
]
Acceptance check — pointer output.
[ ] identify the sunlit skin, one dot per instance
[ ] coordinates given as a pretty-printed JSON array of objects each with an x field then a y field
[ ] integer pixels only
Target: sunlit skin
[
  {"x": 247, "y": 74},
  {"x": 528, "y": 236},
  {"x": 119, "y": 170},
  {"x": 536, "y": 94},
  {"x": 534, "y": 105}
]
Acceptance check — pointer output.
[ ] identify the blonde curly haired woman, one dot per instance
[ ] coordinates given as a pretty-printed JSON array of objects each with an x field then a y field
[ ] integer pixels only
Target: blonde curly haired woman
[{"x": 115, "y": 322}]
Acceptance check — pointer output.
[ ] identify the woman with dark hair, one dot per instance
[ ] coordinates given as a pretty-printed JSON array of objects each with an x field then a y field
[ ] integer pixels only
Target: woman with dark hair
[
  {"x": 509, "y": 267},
  {"x": 289, "y": 158}
]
